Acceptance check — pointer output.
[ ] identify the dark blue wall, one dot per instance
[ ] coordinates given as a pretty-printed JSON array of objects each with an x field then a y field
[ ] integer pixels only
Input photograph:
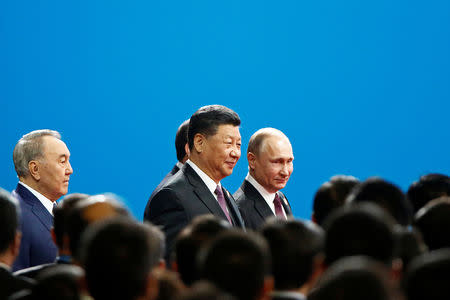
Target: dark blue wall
[{"x": 361, "y": 88}]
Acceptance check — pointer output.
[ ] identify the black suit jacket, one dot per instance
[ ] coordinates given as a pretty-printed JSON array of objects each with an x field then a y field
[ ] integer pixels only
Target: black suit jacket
[
  {"x": 163, "y": 182},
  {"x": 254, "y": 209},
  {"x": 10, "y": 284},
  {"x": 184, "y": 197}
]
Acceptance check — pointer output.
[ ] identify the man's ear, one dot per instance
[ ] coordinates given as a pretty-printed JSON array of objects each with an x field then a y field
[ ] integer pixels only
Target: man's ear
[
  {"x": 16, "y": 244},
  {"x": 199, "y": 142},
  {"x": 53, "y": 234},
  {"x": 187, "y": 150},
  {"x": 33, "y": 167},
  {"x": 251, "y": 160},
  {"x": 267, "y": 288}
]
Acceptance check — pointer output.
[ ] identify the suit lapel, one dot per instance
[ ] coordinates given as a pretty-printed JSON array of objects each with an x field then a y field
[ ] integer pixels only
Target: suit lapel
[
  {"x": 260, "y": 204},
  {"x": 38, "y": 208},
  {"x": 202, "y": 191}
]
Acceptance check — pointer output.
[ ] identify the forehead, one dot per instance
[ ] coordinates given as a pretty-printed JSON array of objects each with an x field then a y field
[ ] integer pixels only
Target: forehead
[
  {"x": 228, "y": 130},
  {"x": 54, "y": 146},
  {"x": 277, "y": 146}
]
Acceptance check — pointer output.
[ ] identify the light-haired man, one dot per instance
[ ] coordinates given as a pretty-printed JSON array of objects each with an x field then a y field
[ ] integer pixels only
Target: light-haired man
[
  {"x": 270, "y": 163},
  {"x": 41, "y": 160}
]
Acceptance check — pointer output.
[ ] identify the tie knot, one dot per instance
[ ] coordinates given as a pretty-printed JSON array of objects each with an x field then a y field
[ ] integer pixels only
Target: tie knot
[
  {"x": 277, "y": 200},
  {"x": 218, "y": 191}
]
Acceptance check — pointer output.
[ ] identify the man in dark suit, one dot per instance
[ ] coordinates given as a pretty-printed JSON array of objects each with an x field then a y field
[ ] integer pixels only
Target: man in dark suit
[
  {"x": 9, "y": 246},
  {"x": 270, "y": 164},
  {"x": 215, "y": 147},
  {"x": 41, "y": 160},
  {"x": 182, "y": 149}
]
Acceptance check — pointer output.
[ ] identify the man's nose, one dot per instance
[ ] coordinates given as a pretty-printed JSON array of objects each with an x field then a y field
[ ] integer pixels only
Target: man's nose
[{"x": 69, "y": 169}]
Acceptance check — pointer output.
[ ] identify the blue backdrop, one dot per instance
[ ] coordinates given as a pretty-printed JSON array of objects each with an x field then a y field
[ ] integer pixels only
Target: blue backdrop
[{"x": 360, "y": 87}]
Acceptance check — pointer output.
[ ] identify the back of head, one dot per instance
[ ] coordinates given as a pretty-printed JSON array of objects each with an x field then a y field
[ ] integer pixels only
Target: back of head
[
  {"x": 181, "y": 141},
  {"x": 331, "y": 195},
  {"x": 410, "y": 244},
  {"x": 433, "y": 221},
  {"x": 386, "y": 195},
  {"x": 9, "y": 219},
  {"x": 196, "y": 235},
  {"x": 61, "y": 213},
  {"x": 61, "y": 282},
  {"x": 118, "y": 256},
  {"x": 207, "y": 119},
  {"x": 204, "y": 290},
  {"x": 428, "y": 276},
  {"x": 88, "y": 211},
  {"x": 294, "y": 244},
  {"x": 30, "y": 147},
  {"x": 429, "y": 187},
  {"x": 363, "y": 229},
  {"x": 237, "y": 262},
  {"x": 355, "y": 278}
]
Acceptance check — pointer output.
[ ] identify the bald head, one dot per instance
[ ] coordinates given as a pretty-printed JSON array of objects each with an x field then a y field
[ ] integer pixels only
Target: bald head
[{"x": 270, "y": 158}]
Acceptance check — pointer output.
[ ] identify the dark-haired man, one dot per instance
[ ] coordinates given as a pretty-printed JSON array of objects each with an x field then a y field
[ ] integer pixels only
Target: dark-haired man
[
  {"x": 215, "y": 147},
  {"x": 182, "y": 149}
]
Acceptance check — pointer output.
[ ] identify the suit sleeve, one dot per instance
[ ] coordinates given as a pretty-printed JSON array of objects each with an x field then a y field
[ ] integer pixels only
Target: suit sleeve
[{"x": 166, "y": 211}]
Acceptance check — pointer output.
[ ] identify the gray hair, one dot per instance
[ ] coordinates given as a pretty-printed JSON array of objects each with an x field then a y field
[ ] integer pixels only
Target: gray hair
[
  {"x": 257, "y": 139},
  {"x": 29, "y": 147}
]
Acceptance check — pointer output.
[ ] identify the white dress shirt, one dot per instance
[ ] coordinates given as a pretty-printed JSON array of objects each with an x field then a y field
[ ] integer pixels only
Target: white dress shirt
[
  {"x": 211, "y": 184},
  {"x": 48, "y": 204}
]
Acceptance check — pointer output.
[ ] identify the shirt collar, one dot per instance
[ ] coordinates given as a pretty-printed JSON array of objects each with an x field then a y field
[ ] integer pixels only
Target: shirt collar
[
  {"x": 48, "y": 204},
  {"x": 268, "y": 197},
  {"x": 179, "y": 165},
  {"x": 211, "y": 184}
]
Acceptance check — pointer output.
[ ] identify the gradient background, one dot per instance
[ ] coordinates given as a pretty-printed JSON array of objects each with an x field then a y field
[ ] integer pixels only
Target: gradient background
[{"x": 360, "y": 87}]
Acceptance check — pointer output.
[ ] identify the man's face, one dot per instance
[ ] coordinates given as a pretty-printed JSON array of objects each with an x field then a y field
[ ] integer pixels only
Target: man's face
[
  {"x": 54, "y": 168},
  {"x": 274, "y": 164},
  {"x": 221, "y": 152}
]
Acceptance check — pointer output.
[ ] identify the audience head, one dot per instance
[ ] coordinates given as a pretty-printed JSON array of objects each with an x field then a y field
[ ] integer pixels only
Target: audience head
[
  {"x": 270, "y": 158},
  {"x": 384, "y": 194},
  {"x": 119, "y": 256},
  {"x": 429, "y": 187},
  {"x": 355, "y": 278},
  {"x": 410, "y": 244},
  {"x": 181, "y": 142},
  {"x": 433, "y": 221},
  {"x": 205, "y": 290},
  {"x": 61, "y": 213},
  {"x": 428, "y": 276},
  {"x": 363, "y": 229},
  {"x": 189, "y": 242},
  {"x": 9, "y": 222},
  {"x": 214, "y": 140},
  {"x": 41, "y": 160},
  {"x": 239, "y": 263},
  {"x": 88, "y": 211},
  {"x": 295, "y": 246},
  {"x": 331, "y": 195}
]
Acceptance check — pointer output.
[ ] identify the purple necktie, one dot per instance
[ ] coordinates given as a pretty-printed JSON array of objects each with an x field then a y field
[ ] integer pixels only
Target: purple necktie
[
  {"x": 222, "y": 202},
  {"x": 278, "y": 208}
]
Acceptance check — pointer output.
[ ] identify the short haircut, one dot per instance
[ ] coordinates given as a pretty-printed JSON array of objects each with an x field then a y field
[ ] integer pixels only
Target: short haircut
[
  {"x": 237, "y": 262},
  {"x": 78, "y": 219},
  {"x": 385, "y": 194},
  {"x": 294, "y": 244},
  {"x": 433, "y": 221},
  {"x": 9, "y": 219},
  {"x": 181, "y": 140},
  {"x": 410, "y": 244},
  {"x": 331, "y": 195},
  {"x": 257, "y": 139},
  {"x": 207, "y": 120},
  {"x": 30, "y": 147},
  {"x": 355, "y": 278},
  {"x": 188, "y": 243},
  {"x": 61, "y": 214},
  {"x": 428, "y": 276},
  {"x": 363, "y": 229},
  {"x": 118, "y": 255},
  {"x": 427, "y": 188}
]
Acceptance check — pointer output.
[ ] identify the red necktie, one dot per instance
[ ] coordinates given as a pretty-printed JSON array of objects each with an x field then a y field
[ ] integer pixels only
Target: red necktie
[
  {"x": 222, "y": 202},
  {"x": 278, "y": 208}
]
